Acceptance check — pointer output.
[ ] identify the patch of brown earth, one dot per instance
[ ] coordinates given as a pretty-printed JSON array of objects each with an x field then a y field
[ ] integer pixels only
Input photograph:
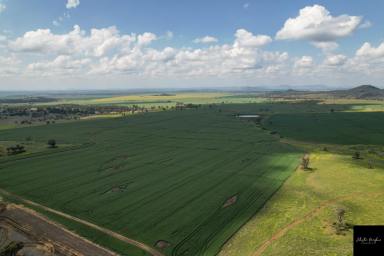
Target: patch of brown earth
[
  {"x": 41, "y": 237},
  {"x": 162, "y": 244},
  {"x": 114, "y": 164},
  {"x": 117, "y": 189},
  {"x": 37, "y": 249},
  {"x": 230, "y": 201}
]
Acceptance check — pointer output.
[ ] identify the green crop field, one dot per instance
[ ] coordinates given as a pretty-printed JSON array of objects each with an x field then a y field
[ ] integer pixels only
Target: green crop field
[
  {"x": 335, "y": 128},
  {"x": 191, "y": 178}
]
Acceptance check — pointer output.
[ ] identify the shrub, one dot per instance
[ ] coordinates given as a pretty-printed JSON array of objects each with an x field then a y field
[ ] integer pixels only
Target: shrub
[{"x": 52, "y": 143}]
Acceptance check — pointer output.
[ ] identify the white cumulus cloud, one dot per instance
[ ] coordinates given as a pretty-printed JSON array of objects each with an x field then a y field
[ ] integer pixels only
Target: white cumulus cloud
[
  {"x": 326, "y": 46},
  {"x": 368, "y": 51},
  {"x": 304, "y": 62},
  {"x": 316, "y": 24},
  {"x": 106, "y": 53},
  {"x": 218, "y": 60},
  {"x": 9, "y": 66},
  {"x": 61, "y": 65},
  {"x": 206, "y": 40},
  {"x": 98, "y": 43},
  {"x": 247, "y": 39},
  {"x": 146, "y": 38},
  {"x": 72, "y": 4},
  {"x": 335, "y": 60}
]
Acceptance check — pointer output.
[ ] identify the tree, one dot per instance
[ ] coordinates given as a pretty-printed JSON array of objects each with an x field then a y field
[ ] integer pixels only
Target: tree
[
  {"x": 14, "y": 150},
  {"x": 52, "y": 143},
  {"x": 356, "y": 155},
  {"x": 340, "y": 224},
  {"x": 340, "y": 215},
  {"x": 305, "y": 162}
]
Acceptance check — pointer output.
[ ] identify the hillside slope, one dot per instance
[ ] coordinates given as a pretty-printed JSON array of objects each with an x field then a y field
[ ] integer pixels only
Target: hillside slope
[{"x": 361, "y": 92}]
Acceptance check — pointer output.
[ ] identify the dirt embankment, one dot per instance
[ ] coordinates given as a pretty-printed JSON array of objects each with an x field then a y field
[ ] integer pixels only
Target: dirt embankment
[{"x": 43, "y": 237}]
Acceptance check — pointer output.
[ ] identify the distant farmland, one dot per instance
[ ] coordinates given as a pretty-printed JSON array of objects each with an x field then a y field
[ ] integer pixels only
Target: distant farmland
[
  {"x": 346, "y": 128},
  {"x": 189, "y": 178}
]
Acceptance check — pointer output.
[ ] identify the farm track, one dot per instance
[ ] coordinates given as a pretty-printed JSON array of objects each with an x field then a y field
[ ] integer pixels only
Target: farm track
[
  {"x": 40, "y": 231},
  {"x": 120, "y": 237},
  {"x": 311, "y": 214}
]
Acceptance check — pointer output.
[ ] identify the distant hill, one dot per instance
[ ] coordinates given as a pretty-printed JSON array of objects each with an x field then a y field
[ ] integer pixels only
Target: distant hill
[
  {"x": 360, "y": 92},
  {"x": 21, "y": 100}
]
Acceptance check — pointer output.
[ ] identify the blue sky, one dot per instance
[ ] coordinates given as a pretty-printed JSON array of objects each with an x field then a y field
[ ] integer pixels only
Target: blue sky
[{"x": 324, "y": 45}]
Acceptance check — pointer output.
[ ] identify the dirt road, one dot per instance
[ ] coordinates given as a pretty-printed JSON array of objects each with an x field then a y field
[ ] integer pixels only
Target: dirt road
[
  {"x": 33, "y": 228},
  {"x": 111, "y": 233}
]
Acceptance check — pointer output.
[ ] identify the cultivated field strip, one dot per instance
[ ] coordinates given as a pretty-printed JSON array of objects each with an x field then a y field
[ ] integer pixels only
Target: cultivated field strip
[
  {"x": 332, "y": 128},
  {"x": 158, "y": 176}
]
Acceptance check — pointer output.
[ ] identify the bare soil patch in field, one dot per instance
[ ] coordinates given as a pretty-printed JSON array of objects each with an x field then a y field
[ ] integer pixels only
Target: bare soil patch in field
[
  {"x": 162, "y": 244},
  {"x": 230, "y": 201},
  {"x": 114, "y": 164}
]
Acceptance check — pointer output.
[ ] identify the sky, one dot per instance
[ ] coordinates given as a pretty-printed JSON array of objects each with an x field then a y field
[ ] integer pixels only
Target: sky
[{"x": 122, "y": 44}]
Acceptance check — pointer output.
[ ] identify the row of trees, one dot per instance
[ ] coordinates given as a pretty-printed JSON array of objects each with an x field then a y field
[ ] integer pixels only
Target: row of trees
[
  {"x": 18, "y": 149},
  {"x": 14, "y": 150},
  {"x": 65, "y": 110}
]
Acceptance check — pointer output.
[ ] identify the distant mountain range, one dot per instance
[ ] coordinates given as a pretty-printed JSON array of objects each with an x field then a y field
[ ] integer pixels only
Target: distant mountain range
[
  {"x": 19, "y": 100},
  {"x": 360, "y": 92}
]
